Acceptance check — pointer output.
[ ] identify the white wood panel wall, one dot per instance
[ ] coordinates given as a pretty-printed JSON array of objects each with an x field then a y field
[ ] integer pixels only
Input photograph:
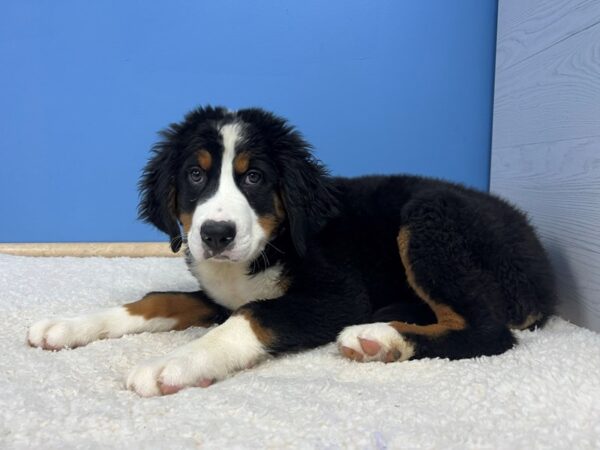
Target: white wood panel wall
[{"x": 546, "y": 137}]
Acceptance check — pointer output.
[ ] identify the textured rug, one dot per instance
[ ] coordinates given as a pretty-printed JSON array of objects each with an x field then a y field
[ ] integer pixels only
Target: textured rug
[{"x": 545, "y": 393}]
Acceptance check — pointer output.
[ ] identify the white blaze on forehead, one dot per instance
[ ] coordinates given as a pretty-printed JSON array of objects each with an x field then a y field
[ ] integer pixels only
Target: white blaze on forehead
[
  {"x": 231, "y": 133},
  {"x": 228, "y": 202},
  {"x": 228, "y": 192}
]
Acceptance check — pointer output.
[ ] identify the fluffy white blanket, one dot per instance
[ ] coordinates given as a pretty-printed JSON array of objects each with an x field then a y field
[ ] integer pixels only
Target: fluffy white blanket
[{"x": 545, "y": 393}]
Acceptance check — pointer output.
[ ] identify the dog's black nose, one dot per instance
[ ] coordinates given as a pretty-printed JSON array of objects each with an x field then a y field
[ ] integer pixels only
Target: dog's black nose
[{"x": 217, "y": 235}]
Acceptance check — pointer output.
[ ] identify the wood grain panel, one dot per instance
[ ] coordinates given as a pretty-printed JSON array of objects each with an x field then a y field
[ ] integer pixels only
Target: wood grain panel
[
  {"x": 527, "y": 27},
  {"x": 546, "y": 137},
  {"x": 554, "y": 95},
  {"x": 558, "y": 185}
]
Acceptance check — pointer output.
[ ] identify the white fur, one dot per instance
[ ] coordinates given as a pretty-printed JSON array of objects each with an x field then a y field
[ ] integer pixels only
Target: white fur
[
  {"x": 77, "y": 331},
  {"x": 223, "y": 350},
  {"x": 228, "y": 204},
  {"x": 381, "y": 332},
  {"x": 229, "y": 284}
]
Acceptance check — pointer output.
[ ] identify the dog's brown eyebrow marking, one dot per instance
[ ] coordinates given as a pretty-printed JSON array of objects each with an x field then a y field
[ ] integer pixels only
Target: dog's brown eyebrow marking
[
  {"x": 241, "y": 162},
  {"x": 205, "y": 159}
]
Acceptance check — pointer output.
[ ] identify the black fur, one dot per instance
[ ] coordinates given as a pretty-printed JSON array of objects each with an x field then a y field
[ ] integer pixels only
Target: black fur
[
  {"x": 158, "y": 186},
  {"x": 468, "y": 250}
]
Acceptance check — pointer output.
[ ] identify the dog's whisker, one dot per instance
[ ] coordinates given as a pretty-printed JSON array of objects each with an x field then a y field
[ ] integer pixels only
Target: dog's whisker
[
  {"x": 264, "y": 257},
  {"x": 279, "y": 250}
]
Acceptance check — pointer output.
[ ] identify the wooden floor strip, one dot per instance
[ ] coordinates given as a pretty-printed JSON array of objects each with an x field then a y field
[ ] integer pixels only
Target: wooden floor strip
[{"x": 104, "y": 249}]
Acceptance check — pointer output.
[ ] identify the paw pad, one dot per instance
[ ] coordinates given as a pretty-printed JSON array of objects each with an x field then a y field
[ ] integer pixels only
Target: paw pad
[{"x": 374, "y": 342}]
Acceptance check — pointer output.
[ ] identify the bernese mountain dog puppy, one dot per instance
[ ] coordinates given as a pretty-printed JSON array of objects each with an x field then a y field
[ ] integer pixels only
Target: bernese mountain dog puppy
[{"x": 289, "y": 258}]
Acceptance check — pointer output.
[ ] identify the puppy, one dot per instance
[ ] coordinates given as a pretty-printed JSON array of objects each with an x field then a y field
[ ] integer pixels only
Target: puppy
[{"x": 289, "y": 258}]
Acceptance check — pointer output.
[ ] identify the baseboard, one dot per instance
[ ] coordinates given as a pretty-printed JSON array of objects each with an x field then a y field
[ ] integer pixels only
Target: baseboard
[{"x": 104, "y": 249}]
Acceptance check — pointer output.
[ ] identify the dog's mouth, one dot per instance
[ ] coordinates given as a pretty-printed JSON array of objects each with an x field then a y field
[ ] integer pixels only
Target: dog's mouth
[
  {"x": 224, "y": 257},
  {"x": 220, "y": 258},
  {"x": 208, "y": 255}
]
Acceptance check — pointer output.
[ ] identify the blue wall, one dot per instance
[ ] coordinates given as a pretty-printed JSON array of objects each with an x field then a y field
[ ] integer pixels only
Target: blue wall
[{"x": 84, "y": 86}]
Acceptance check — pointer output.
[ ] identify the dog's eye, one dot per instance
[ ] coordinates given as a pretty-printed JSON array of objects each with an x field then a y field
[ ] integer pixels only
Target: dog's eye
[
  {"x": 197, "y": 175},
  {"x": 253, "y": 177}
]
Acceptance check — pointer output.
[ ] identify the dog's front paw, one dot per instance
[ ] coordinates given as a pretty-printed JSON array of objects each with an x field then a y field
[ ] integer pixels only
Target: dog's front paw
[
  {"x": 374, "y": 342},
  {"x": 220, "y": 352},
  {"x": 56, "y": 334},
  {"x": 164, "y": 376}
]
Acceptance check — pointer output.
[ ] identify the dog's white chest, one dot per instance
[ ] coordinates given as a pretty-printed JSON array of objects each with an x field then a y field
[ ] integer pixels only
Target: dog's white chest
[{"x": 230, "y": 286}]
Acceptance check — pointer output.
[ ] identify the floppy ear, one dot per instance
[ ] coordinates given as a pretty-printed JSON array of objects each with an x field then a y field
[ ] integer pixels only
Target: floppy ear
[
  {"x": 158, "y": 194},
  {"x": 308, "y": 193}
]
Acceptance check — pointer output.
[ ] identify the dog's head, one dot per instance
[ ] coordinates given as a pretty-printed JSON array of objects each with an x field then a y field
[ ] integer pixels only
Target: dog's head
[{"x": 234, "y": 181}]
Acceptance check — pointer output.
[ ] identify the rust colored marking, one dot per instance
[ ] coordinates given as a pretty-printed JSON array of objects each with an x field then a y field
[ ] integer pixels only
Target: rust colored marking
[
  {"x": 264, "y": 335},
  {"x": 186, "y": 221},
  {"x": 270, "y": 222},
  {"x": 447, "y": 318},
  {"x": 241, "y": 162},
  {"x": 205, "y": 160},
  {"x": 188, "y": 308}
]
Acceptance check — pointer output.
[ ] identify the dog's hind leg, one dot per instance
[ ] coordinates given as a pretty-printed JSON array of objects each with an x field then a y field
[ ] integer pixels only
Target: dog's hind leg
[{"x": 465, "y": 298}]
